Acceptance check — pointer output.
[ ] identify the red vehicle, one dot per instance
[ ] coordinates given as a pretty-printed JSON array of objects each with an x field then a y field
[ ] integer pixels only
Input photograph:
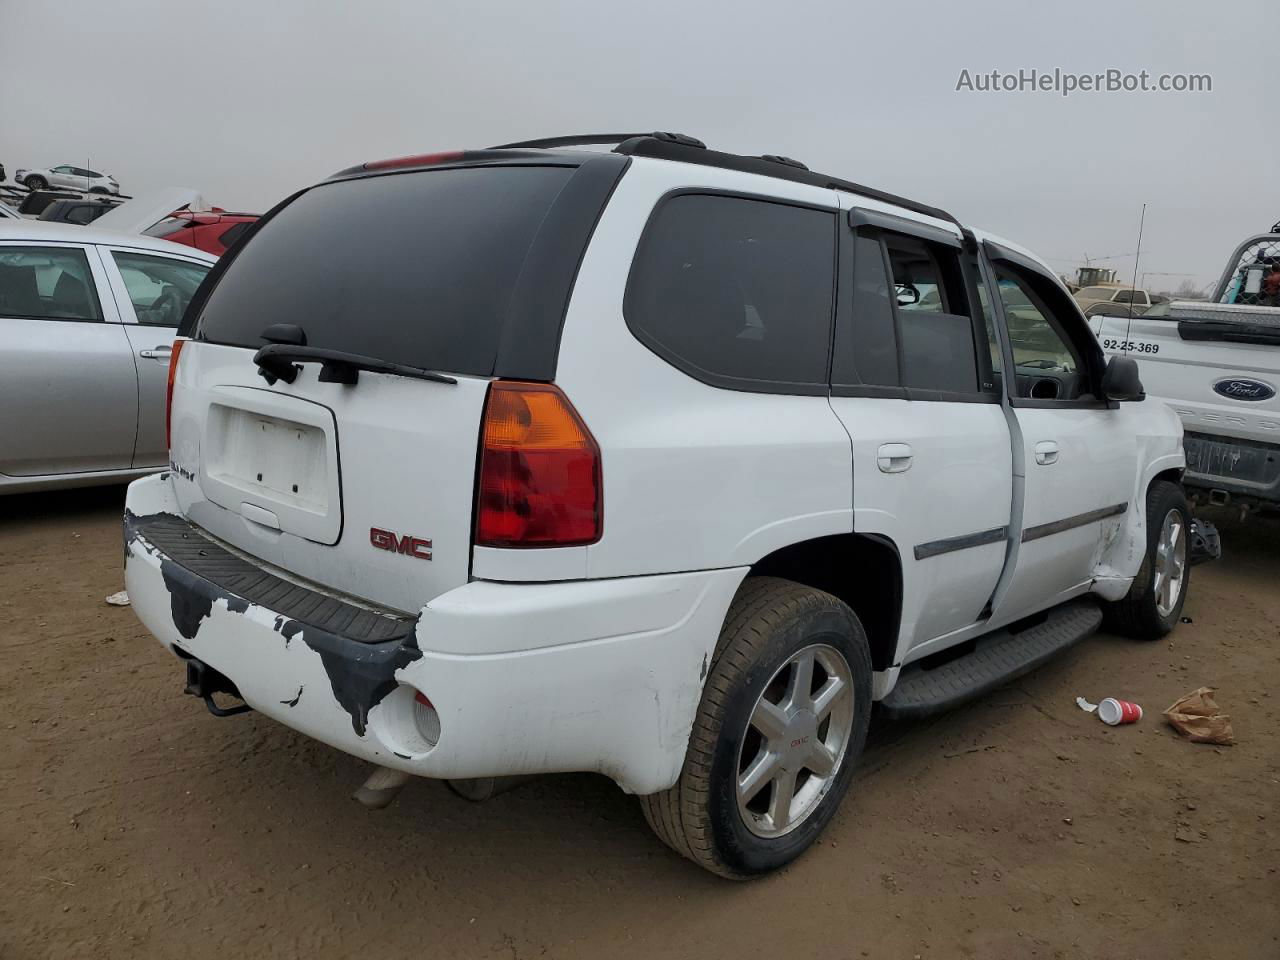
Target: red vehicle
[{"x": 212, "y": 230}]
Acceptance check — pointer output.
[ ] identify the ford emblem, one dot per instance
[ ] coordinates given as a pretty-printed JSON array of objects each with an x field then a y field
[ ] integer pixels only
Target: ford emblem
[{"x": 1238, "y": 388}]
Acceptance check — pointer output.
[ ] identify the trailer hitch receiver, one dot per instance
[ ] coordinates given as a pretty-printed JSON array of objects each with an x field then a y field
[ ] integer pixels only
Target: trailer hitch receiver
[{"x": 203, "y": 681}]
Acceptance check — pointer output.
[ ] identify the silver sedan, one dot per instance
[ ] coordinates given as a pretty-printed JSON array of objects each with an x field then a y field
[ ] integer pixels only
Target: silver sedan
[{"x": 87, "y": 321}]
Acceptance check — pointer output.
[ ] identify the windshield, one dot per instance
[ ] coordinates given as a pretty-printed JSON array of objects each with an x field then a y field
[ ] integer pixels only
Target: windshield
[{"x": 415, "y": 268}]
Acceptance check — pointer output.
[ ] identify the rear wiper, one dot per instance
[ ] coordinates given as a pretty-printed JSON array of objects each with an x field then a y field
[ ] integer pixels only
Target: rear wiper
[{"x": 278, "y": 361}]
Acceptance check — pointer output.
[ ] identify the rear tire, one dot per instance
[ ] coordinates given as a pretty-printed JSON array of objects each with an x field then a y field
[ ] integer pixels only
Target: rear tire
[
  {"x": 34, "y": 182},
  {"x": 805, "y": 653},
  {"x": 1153, "y": 605}
]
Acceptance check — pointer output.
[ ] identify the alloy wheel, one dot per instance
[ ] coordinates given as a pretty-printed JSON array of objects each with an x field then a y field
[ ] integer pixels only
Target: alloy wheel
[{"x": 795, "y": 741}]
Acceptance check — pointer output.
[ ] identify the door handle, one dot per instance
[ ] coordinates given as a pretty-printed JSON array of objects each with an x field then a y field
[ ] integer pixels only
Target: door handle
[
  {"x": 1046, "y": 452},
  {"x": 161, "y": 352},
  {"x": 894, "y": 457}
]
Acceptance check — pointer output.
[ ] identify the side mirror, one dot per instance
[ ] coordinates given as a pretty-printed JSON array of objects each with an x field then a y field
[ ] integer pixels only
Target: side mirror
[
  {"x": 907, "y": 294},
  {"x": 1121, "y": 380}
]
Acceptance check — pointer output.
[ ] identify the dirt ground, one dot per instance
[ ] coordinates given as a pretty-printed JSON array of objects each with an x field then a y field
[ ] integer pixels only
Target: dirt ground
[{"x": 137, "y": 825}]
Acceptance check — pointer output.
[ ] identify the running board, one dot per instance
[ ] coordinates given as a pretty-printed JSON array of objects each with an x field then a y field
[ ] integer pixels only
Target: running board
[{"x": 1000, "y": 656}]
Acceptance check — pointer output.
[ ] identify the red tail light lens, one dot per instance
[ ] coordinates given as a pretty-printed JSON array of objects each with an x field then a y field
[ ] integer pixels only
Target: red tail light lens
[
  {"x": 540, "y": 478},
  {"x": 168, "y": 393}
]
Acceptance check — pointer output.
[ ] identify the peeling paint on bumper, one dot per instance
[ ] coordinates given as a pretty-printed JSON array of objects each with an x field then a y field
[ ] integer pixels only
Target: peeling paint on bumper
[{"x": 602, "y": 676}]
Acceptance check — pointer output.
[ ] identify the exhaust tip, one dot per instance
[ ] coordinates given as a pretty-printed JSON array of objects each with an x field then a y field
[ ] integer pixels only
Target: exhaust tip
[{"x": 383, "y": 786}]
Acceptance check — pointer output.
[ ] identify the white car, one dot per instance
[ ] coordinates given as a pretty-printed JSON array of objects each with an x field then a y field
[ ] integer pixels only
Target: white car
[
  {"x": 68, "y": 177},
  {"x": 1138, "y": 299},
  {"x": 87, "y": 320},
  {"x": 535, "y": 459}
]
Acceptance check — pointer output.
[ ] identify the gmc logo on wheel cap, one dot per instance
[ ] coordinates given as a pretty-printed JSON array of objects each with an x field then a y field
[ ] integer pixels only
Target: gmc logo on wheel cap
[{"x": 409, "y": 546}]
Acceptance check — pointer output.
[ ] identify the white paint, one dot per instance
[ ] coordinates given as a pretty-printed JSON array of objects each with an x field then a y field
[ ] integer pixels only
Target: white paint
[{"x": 593, "y": 658}]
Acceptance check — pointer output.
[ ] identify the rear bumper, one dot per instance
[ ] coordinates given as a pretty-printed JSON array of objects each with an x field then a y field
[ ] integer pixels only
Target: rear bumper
[
  {"x": 602, "y": 676},
  {"x": 1248, "y": 469}
]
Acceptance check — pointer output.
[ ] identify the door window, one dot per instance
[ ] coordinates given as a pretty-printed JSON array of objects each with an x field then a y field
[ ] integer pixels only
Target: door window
[
  {"x": 866, "y": 350},
  {"x": 47, "y": 283},
  {"x": 933, "y": 317},
  {"x": 1048, "y": 366},
  {"x": 159, "y": 288},
  {"x": 736, "y": 292},
  {"x": 912, "y": 323}
]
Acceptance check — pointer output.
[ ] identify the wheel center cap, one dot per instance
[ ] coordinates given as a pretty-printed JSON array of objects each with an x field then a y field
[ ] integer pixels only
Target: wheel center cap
[{"x": 802, "y": 731}]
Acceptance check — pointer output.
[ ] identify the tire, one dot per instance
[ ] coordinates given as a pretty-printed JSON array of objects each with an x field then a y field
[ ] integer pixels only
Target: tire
[
  {"x": 772, "y": 625},
  {"x": 35, "y": 182},
  {"x": 102, "y": 190},
  {"x": 1141, "y": 613}
]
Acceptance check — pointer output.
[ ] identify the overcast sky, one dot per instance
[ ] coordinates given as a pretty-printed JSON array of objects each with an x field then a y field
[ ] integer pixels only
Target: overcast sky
[{"x": 248, "y": 100}]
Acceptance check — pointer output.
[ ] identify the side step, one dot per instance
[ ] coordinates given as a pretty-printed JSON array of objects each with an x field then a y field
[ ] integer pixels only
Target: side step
[{"x": 999, "y": 657}]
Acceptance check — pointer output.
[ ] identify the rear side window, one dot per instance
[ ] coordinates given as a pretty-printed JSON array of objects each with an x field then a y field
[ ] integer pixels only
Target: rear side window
[
  {"x": 737, "y": 292},
  {"x": 47, "y": 283},
  {"x": 415, "y": 268}
]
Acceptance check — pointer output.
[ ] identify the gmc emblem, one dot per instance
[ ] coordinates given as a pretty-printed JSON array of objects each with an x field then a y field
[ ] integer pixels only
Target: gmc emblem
[{"x": 409, "y": 546}]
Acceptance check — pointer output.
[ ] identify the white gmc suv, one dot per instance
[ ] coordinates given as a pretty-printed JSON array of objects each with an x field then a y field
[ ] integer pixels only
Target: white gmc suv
[{"x": 660, "y": 462}]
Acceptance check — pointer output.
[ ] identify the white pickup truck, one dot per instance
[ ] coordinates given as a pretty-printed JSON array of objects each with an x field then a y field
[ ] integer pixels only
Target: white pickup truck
[{"x": 1218, "y": 365}]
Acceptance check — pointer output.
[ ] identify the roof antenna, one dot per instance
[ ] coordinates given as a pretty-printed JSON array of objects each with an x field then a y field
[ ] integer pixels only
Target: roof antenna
[{"x": 1137, "y": 258}]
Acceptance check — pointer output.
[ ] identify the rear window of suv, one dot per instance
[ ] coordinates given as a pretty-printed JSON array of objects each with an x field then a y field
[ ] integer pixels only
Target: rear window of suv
[{"x": 414, "y": 268}]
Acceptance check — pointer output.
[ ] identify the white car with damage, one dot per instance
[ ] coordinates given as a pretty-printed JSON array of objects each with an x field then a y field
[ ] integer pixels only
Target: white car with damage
[{"x": 654, "y": 462}]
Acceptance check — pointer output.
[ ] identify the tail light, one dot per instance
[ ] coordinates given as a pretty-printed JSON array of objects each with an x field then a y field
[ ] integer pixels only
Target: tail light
[
  {"x": 539, "y": 483},
  {"x": 168, "y": 392}
]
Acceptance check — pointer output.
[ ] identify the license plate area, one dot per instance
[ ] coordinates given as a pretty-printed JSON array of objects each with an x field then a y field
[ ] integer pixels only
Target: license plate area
[
  {"x": 273, "y": 460},
  {"x": 280, "y": 459}
]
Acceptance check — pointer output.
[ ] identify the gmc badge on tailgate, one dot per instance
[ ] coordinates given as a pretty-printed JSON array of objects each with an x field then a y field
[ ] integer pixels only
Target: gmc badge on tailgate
[{"x": 409, "y": 546}]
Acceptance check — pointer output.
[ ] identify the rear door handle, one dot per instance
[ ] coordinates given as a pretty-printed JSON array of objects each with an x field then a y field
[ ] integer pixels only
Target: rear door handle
[
  {"x": 162, "y": 352},
  {"x": 1046, "y": 452},
  {"x": 894, "y": 457}
]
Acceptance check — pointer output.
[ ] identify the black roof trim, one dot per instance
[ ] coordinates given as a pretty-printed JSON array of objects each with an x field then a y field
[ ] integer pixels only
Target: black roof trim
[{"x": 772, "y": 166}]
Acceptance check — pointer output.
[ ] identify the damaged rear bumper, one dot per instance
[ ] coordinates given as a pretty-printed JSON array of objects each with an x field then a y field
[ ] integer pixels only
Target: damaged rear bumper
[{"x": 602, "y": 676}]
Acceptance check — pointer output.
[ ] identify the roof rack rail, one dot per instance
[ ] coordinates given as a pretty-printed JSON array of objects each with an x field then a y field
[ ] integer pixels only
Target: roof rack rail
[
  {"x": 679, "y": 146},
  {"x": 585, "y": 139},
  {"x": 785, "y": 161},
  {"x": 782, "y": 168}
]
